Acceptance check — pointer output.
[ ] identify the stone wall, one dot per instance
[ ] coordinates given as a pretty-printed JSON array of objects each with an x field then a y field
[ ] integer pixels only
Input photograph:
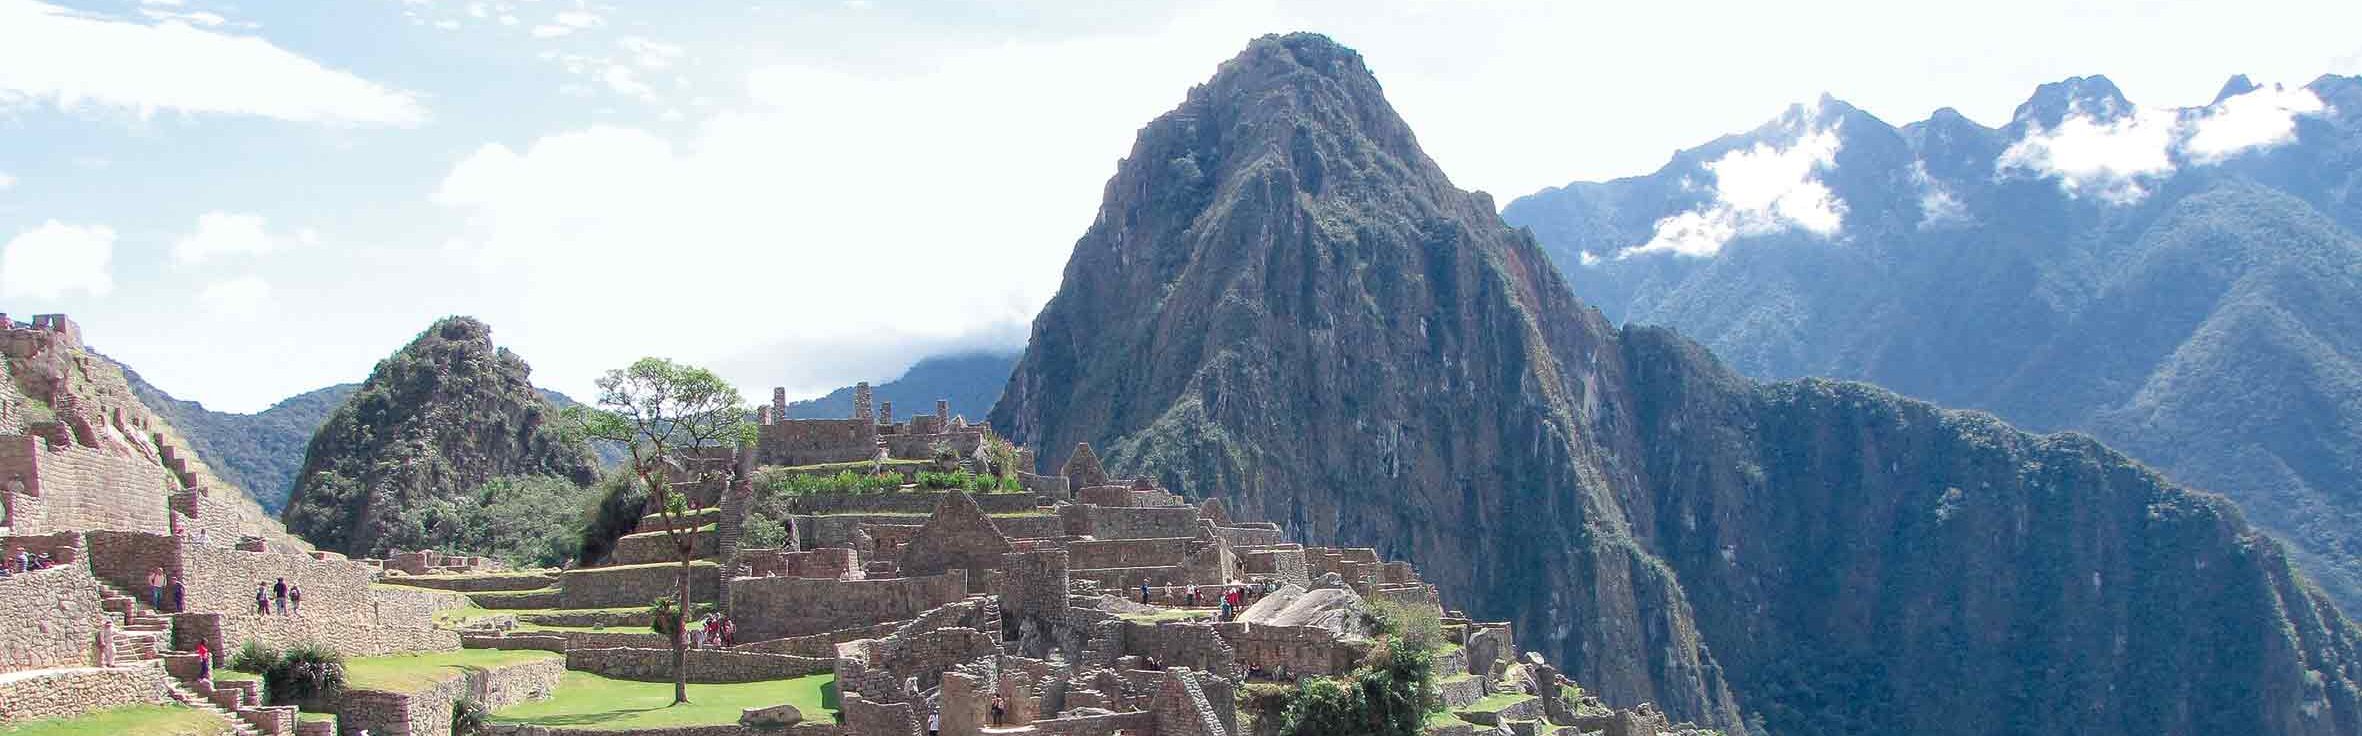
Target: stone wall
[
  {"x": 1295, "y": 650},
  {"x": 921, "y": 446},
  {"x": 1029, "y": 526},
  {"x": 702, "y": 665},
  {"x": 827, "y": 564},
  {"x": 71, "y": 487},
  {"x": 1108, "y": 724},
  {"x": 904, "y": 502},
  {"x": 1284, "y": 563},
  {"x": 819, "y": 645},
  {"x": 1176, "y": 644},
  {"x": 66, "y": 693},
  {"x": 815, "y": 441},
  {"x": 657, "y": 546},
  {"x": 53, "y": 619},
  {"x": 1046, "y": 486},
  {"x": 341, "y": 609},
  {"x": 1118, "y": 522},
  {"x": 427, "y": 712},
  {"x": 633, "y": 585},
  {"x": 1252, "y": 535},
  {"x": 769, "y": 608},
  {"x": 1105, "y": 553}
]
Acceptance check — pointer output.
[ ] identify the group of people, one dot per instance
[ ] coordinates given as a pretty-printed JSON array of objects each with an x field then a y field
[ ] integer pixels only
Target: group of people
[
  {"x": 715, "y": 630},
  {"x": 164, "y": 589},
  {"x": 285, "y": 599},
  {"x": 1000, "y": 713},
  {"x": 20, "y": 561},
  {"x": 1232, "y": 599}
]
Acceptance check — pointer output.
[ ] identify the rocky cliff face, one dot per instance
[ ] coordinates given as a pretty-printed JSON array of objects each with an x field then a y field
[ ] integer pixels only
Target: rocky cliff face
[
  {"x": 433, "y": 422},
  {"x": 1285, "y": 303}
]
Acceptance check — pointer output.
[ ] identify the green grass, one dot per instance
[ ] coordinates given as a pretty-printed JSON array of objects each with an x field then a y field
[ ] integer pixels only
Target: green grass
[
  {"x": 1496, "y": 702},
  {"x": 1442, "y": 719},
  {"x": 856, "y": 465},
  {"x": 403, "y": 673},
  {"x": 588, "y": 701},
  {"x": 130, "y": 720},
  {"x": 310, "y": 717},
  {"x": 225, "y": 674}
]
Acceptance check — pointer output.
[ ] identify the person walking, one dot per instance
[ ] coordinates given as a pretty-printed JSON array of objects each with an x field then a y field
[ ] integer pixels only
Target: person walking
[
  {"x": 1193, "y": 595},
  {"x": 934, "y": 723},
  {"x": 295, "y": 599},
  {"x": 262, "y": 600},
  {"x": 156, "y": 589},
  {"x": 178, "y": 593},
  {"x": 279, "y": 595},
  {"x": 204, "y": 664},
  {"x": 106, "y": 641},
  {"x": 1143, "y": 592},
  {"x": 999, "y": 708}
]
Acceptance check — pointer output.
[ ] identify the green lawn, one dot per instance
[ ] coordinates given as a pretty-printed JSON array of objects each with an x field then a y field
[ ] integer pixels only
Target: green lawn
[
  {"x": 131, "y": 720},
  {"x": 1442, "y": 719},
  {"x": 588, "y": 701},
  {"x": 225, "y": 674},
  {"x": 1497, "y": 702},
  {"x": 402, "y": 673},
  {"x": 310, "y": 717}
]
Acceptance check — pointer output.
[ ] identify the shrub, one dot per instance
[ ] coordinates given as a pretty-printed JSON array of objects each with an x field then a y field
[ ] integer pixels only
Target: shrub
[
  {"x": 1387, "y": 698},
  {"x": 467, "y": 717},
  {"x": 254, "y": 658},
  {"x": 1420, "y": 626},
  {"x": 305, "y": 673},
  {"x": 762, "y": 532}
]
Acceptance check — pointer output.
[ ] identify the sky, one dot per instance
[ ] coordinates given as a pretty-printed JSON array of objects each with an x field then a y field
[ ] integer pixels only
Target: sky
[{"x": 248, "y": 200}]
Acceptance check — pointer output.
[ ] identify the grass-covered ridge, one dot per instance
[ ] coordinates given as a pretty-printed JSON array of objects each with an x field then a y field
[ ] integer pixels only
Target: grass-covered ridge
[{"x": 403, "y": 673}]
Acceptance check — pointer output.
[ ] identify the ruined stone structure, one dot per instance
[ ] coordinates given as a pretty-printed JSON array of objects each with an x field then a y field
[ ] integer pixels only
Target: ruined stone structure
[{"x": 100, "y": 486}]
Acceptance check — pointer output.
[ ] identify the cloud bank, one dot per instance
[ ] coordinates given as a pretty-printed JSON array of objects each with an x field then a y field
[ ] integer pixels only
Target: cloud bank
[
  {"x": 57, "y": 259},
  {"x": 75, "y": 60},
  {"x": 2115, "y": 158},
  {"x": 1758, "y": 190}
]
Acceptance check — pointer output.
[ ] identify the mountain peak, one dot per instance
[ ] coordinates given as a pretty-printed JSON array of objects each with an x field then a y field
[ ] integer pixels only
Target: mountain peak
[
  {"x": 2237, "y": 85},
  {"x": 2094, "y": 96}
]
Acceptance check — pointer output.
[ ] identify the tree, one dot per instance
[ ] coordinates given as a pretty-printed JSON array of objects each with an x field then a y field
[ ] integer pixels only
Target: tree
[{"x": 662, "y": 409}]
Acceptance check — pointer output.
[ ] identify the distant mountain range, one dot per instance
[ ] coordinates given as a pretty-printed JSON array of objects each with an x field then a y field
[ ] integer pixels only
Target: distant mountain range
[
  {"x": 2184, "y": 284},
  {"x": 1283, "y": 302},
  {"x": 970, "y": 381}
]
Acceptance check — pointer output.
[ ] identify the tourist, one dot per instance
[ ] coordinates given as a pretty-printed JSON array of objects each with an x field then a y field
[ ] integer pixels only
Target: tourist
[
  {"x": 295, "y": 598},
  {"x": 697, "y": 636},
  {"x": 1193, "y": 595},
  {"x": 262, "y": 600},
  {"x": 1225, "y": 615},
  {"x": 934, "y": 723},
  {"x": 279, "y": 595},
  {"x": 999, "y": 707},
  {"x": 178, "y": 593},
  {"x": 106, "y": 641},
  {"x": 156, "y": 589},
  {"x": 729, "y": 632},
  {"x": 204, "y": 665},
  {"x": 1143, "y": 592},
  {"x": 24, "y": 562}
]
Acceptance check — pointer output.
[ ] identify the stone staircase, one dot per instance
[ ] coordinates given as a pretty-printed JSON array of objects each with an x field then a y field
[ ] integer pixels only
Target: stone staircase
[{"x": 146, "y": 635}]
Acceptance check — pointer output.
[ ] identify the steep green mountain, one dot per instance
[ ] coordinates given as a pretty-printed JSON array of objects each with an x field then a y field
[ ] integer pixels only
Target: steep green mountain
[
  {"x": 1285, "y": 303},
  {"x": 393, "y": 465},
  {"x": 971, "y": 381},
  {"x": 259, "y": 452},
  {"x": 2181, "y": 284}
]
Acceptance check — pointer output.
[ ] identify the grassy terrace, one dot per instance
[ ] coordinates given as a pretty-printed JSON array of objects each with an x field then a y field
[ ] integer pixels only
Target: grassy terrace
[
  {"x": 404, "y": 673},
  {"x": 463, "y": 616},
  {"x": 1497, "y": 702},
  {"x": 657, "y": 529},
  {"x": 131, "y": 720},
  {"x": 588, "y": 701},
  {"x": 858, "y": 466}
]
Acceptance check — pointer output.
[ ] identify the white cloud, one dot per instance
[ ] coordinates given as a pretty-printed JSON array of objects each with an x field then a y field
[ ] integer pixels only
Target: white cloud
[
  {"x": 650, "y": 54},
  {"x": 51, "y": 54},
  {"x": 844, "y": 238},
  {"x": 6, "y": 181},
  {"x": 620, "y": 79},
  {"x": 56, "y": 259},
  {"x": 2095, "y": 157},
  {"x": 2261, "y": 118},
  {"x": 242, "y": 299},
  {"x": 230, "y": 233},
  {"x": 1937, "y": 204},
  {"x": 566, "y": 23},
  {"x": 1758, "y": 190}
]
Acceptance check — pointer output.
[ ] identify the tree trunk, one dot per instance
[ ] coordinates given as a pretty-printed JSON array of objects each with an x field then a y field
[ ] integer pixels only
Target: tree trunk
[{"x": 681, "y": 634}]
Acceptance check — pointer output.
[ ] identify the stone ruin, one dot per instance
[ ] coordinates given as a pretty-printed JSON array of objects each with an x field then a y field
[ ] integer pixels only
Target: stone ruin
[{"x": 94, "y": 481}]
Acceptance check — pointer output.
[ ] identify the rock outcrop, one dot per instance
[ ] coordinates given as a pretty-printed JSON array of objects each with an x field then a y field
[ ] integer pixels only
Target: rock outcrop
[
  {"x": 1285, "y": 303},
  {"x": 436, "y": 420}
]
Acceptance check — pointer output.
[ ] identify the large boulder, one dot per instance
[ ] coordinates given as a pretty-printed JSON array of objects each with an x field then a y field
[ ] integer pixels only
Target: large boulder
[{"x": 777, "y": 716}]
